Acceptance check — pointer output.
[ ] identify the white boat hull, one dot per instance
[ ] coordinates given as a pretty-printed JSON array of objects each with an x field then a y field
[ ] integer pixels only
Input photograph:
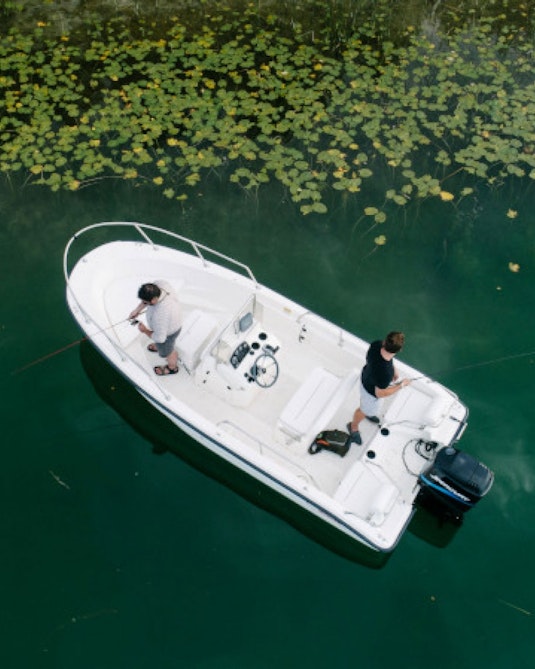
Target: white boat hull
[{"x": 264, "y": 427}]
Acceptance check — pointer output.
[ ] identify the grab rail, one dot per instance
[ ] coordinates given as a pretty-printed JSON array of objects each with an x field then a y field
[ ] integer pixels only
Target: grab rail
[{"x": 142, "y": 229}]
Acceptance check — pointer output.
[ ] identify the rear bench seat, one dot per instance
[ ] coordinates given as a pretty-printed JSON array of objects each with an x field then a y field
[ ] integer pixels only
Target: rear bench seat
[
  {"x": 315, "y": 403},
  {"x": 368, "y": 494}
]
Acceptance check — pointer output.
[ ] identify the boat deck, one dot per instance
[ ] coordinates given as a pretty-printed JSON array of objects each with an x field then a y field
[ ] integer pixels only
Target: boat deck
[{"x": 253, "y": 414}]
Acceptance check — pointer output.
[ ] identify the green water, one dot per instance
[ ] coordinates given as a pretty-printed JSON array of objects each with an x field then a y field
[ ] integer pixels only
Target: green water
[{"x": 116, "y": 553}]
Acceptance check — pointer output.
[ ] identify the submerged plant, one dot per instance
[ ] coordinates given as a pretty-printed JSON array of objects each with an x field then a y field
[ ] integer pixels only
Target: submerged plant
[{"x": 242, "y": 97}]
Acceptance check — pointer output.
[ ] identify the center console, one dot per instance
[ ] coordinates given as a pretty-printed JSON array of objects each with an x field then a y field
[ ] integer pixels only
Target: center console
[
  {"x": 245, "y": 349},
  {"x": 242, "y": 363}
]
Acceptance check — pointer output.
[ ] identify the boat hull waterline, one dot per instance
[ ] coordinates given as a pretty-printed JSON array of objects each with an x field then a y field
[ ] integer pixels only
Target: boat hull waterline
[{"x": 260, "y": 377}]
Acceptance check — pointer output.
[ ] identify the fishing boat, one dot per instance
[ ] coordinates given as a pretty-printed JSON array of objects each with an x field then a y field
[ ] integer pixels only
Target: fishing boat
[{"x": 269, "y": 386}]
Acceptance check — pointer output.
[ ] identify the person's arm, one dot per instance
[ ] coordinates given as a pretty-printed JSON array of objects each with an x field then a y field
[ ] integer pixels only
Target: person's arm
[
  {"x": 394, "y": 388},
  {"x": 137, "y": 311},
  {"x": 143, "y": 328}
]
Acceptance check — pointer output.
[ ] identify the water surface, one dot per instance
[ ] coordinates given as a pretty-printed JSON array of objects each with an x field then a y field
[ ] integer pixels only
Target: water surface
[{"x": 117, "y": 554}]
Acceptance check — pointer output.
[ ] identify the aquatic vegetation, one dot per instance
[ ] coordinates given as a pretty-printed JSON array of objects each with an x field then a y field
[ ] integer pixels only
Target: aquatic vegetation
[{"x": 439, "y": 111}]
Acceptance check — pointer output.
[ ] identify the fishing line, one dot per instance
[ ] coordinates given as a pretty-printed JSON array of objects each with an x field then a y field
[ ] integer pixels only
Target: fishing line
[
  {"x": 73, "y": 343},
  {"x": 476, "y": 364}
]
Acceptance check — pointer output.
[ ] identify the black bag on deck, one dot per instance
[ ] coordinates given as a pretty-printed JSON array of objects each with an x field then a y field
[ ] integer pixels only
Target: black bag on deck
[{"x": 331, "y": 440}]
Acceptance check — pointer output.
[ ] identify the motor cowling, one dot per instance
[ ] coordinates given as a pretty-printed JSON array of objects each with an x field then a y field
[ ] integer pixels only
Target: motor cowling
[{"x": 456, "y": 479}]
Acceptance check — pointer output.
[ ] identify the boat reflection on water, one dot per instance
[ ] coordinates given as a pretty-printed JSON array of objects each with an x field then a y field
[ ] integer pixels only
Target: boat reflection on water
[
  {"x": 165, "y": 437},
  {"x": 430, "y": 524}
]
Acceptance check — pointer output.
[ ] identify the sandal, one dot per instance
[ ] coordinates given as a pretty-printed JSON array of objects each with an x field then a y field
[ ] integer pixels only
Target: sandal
[
  {"x": 152, "y": 348},
  {"x": 165, "y": 370}
]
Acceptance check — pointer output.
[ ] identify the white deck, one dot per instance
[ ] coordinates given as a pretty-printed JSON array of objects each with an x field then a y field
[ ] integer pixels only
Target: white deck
[{"x": 267, "y": 431}]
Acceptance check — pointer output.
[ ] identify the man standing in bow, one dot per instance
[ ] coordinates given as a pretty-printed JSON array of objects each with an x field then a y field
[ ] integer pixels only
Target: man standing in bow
[{"x": 164, "y": 318}]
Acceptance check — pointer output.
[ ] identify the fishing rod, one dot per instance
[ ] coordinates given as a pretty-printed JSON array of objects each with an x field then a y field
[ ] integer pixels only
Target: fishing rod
[
  {"x": 76, "y": 342},
  {"x": 494, "y": 361}
]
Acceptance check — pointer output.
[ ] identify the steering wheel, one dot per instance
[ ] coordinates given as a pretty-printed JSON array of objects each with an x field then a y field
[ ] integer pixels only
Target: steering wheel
[{"x": 265, "y": 370}]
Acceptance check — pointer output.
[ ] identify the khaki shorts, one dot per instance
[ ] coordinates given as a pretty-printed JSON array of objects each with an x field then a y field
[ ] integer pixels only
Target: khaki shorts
[
  {"x": 369, "y": 404},
  {"x": 167, "y": 346}
]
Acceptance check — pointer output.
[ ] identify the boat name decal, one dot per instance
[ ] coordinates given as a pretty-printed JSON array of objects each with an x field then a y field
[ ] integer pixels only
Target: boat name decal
[{"x": 448, "y": 487}]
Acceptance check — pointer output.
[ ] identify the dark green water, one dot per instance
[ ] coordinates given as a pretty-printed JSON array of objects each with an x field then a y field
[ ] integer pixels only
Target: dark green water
[{"x": 115, "y": 554}]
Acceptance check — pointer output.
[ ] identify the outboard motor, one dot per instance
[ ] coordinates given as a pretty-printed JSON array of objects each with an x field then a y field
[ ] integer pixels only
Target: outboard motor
[{"x": 454, "y": 483}]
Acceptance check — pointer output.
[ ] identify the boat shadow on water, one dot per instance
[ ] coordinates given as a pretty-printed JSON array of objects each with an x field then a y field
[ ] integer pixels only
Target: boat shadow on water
[{"x": 166, "y": 437}]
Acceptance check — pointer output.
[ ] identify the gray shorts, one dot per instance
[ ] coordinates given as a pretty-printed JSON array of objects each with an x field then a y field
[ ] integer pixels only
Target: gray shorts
[
  {"x": 167, "y": 346},
  {"x": 369, "y": 404}
]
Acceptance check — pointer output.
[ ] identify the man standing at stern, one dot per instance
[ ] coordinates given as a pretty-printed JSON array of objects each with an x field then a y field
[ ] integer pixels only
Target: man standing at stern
[
  {"x": 376, "y": 381},
  {"x": 164, "y": 318}
]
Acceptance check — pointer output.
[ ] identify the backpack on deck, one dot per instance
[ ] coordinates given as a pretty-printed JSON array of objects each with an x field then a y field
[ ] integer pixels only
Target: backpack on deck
[{"x": 331, "y": 440}]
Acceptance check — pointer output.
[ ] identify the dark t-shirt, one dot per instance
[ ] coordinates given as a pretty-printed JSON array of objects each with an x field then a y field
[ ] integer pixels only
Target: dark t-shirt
[{"x": 377, "y": 372}]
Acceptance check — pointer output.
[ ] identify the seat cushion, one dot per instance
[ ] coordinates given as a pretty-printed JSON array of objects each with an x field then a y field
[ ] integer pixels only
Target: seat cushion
[{"x": 308, "y": 402}]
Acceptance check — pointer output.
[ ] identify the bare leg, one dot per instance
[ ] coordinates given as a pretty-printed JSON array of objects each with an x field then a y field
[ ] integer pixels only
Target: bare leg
[
  {"x": 172, "y": 359},
  {"x": 357, "y": 417}
]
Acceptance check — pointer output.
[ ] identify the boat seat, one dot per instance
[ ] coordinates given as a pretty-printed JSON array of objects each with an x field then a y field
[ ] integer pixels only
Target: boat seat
[
  {"x": 427, "y": 405},
  {"x": 314, "y": 403},
  {"x": 367, "y": 494},
  {"x": 197, "y": 331}
]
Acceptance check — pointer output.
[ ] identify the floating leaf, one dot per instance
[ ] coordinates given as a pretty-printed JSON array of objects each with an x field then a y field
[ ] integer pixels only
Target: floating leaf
[
  {"x": 371, "y": 211},
  {"x": 168, "y": 103},
  {"x": 380, "y": 217}
]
